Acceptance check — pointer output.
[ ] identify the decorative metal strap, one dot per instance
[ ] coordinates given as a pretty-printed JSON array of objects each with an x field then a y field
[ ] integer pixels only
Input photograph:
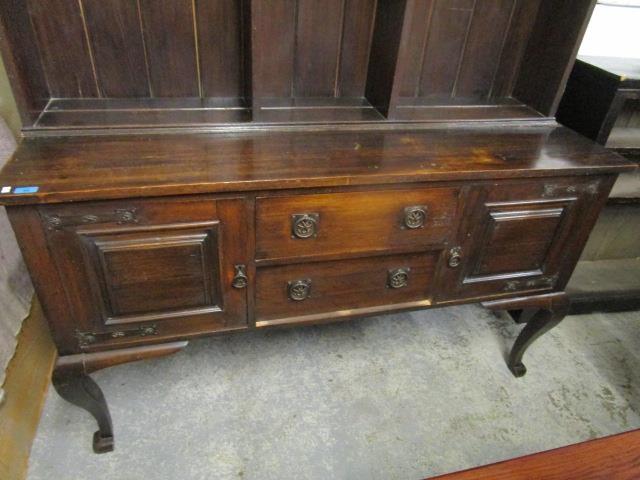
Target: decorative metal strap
[
  {"x": 88, "y": 338},
  {"x": 120, "y": 216}
]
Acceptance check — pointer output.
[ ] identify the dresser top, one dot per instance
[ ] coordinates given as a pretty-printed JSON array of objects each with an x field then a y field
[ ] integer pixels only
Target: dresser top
[{"x": 59, "y": 169}]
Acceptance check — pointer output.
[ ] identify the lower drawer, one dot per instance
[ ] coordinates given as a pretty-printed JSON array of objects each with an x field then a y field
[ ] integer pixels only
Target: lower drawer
[{"x": 344, "y": 287}]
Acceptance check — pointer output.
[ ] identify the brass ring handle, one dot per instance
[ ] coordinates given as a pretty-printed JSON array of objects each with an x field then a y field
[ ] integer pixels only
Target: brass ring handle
[
  {"x": 398, "y": 278},
  {"x": 240, "y": 279},
  {"x": 455, "y": 257},
  {"x": 299, "y": 290},
  {"x": 414, "y": 217},
  {"x": 304, "y": 225}
]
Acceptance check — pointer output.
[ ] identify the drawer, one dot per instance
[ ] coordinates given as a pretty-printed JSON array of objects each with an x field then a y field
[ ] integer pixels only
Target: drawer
[
  {"x": 344, "y": 287},
  {"x": 342, "y": 223}
]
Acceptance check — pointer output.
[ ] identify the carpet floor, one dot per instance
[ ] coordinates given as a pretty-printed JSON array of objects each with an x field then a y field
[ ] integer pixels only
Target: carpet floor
[{"x": 401, "y": 396}]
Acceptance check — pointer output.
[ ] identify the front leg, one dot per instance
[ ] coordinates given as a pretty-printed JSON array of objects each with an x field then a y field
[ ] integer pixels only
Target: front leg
[
  {"x": 80, "y": 390},
  {"x": 540, "y": 313},
  {"x": 72, "y": 382}
]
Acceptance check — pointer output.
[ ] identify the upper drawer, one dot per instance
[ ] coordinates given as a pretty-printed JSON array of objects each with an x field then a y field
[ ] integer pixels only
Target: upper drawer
[{"x": 365, "y": 221}]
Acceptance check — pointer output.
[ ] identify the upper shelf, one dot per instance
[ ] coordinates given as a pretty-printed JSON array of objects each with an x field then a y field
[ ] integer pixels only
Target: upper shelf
[{"x": 170, "y": 63}]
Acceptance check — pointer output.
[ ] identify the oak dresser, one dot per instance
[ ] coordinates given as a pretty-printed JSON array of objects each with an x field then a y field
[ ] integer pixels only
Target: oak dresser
[{"x": 200, "y": 167}]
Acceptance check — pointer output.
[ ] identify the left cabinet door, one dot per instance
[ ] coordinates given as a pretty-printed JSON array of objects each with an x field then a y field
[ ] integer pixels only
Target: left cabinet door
[{"x": 150, "y": 270}]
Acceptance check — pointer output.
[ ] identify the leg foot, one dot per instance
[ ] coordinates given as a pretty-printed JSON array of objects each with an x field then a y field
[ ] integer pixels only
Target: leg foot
[
  {"x": 82, "y": 391},
  {"x": 541, "y": 314},
  {"x": 102, "y": 444},
  {"x": 518, "y": 369}
]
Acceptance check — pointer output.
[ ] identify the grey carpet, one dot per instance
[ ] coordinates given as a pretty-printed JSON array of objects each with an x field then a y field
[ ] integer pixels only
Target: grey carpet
[{"x": 393, "y": 397}]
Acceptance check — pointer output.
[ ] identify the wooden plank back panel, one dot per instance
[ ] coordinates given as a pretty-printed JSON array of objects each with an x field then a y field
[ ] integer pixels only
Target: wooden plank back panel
[
  {"x": 170, "y": 38},
  {"x": 220, "y": 46},
  {"x": 317, "y": 46},
  {"x": 445, "y": 46},
  {"x": 116, "y": 40},
  {"x": 306, "y": 48},
  {"x": 522, "y": 22},
  {"x": 485, "y": 40},
  {"x": 273, "y": 32},
  {"x": 462, "y": 51},
  {"x": 412, "y": 54},
  {"x": 58, "y": 25}
]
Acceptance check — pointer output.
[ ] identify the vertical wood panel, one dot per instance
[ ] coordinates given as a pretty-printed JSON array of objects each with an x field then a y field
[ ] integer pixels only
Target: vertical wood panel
[
  {"x": 63, "y": 45},
  {"x": 521, "y": 25},
  {"x": 22, "y": 60},
  {"x": 220, "y": 47},
  {"x": 356, "y": 39},
  {"x": 487, "y": 32},
  {"x": 273, "y": 33},
  {"x": 168, "y": 27},
  {"x": 116, "y": 40},
  {"x": 318, "y": 38},
  {"x": 445, "y": 45},
  {"x": 554, "y": 44},
  {"x": 413, "y": 46}
]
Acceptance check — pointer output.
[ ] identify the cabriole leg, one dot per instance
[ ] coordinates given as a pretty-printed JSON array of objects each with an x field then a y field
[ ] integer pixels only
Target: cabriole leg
[
  {"x": 540, "y": 313},
  {"x": 82, "y": 391},
  {"x": 72, "y": 382}
]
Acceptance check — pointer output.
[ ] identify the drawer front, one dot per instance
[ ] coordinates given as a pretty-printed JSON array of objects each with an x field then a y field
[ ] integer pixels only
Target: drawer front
[
  {"x": 340, "y": 288},
  {"x": 152, "y": 268},
  {"x": 343, "y": 223}
]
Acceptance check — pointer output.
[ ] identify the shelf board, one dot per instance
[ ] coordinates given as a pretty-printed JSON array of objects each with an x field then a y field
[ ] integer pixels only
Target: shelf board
[
  {"x": 141, "y": 112},
  {"x": 314, "y": 110},
  {"x": 451, "y": 109}
]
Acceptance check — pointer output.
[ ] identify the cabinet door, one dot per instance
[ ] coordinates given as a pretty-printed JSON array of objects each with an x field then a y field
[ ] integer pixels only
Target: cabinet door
[
  {"x": 521, "y": 237},
  {"x": 144, "y": 270}
]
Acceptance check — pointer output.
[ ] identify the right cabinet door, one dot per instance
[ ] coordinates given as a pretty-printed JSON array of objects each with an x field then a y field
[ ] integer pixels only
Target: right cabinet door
[{"x": 521, "y": 236}]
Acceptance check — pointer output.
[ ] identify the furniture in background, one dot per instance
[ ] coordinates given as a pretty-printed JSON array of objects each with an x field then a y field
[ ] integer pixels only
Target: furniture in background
[
  {"x": 602, "y": 102},
  {"x": 200, "y": 168},
  {"x": 614, "y": 458}
]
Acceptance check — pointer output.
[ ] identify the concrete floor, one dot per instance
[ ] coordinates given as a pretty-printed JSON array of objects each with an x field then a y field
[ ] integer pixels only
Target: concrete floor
[{"x": 393, "y": 397}]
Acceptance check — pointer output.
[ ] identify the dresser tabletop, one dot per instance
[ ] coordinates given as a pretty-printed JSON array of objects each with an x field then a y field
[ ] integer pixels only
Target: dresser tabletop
[{"x": 60, "y": 169}]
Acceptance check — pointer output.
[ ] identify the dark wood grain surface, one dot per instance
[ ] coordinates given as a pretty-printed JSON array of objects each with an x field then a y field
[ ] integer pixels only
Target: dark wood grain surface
[
  {"x": 611, "y": 458},
  {"x": 117, "y": 44},
  {"x": 82, "y": 168}
]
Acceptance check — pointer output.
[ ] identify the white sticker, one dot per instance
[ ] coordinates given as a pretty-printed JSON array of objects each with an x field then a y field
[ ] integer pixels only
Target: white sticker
[{"x": 5, "y": 190}]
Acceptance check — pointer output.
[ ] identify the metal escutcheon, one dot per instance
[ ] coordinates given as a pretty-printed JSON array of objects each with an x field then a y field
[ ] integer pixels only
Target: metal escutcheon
[
  {"x": 304, "y": 225},
  {"x": 415, "y": 217},
  {"x": 455, "y": 257},
  {"x": 398, "y": 278},
  {"x": 299, "y": 290},
  {"x": 240, "y": 279}
]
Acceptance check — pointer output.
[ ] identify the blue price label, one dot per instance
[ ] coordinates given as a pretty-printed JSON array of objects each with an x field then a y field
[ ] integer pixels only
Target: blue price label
[{"x": 19, "y": 190}]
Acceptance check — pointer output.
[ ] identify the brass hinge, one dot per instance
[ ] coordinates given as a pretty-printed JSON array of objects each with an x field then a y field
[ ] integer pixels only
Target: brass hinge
[{"x": 88, "y": 338}]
